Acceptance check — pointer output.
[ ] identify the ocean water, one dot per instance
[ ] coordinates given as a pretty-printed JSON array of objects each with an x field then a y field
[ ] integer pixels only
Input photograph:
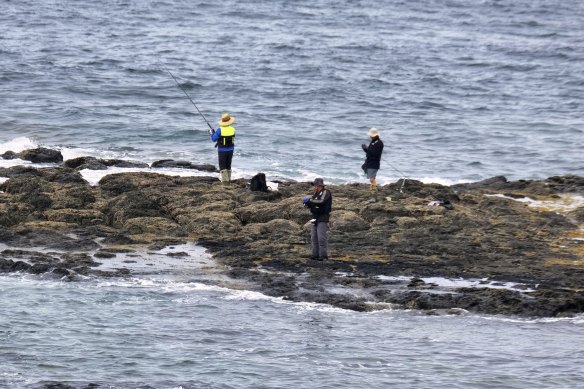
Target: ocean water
[
  {"x": 460, "y": 90},
  {"x": 161, "y": 332}
]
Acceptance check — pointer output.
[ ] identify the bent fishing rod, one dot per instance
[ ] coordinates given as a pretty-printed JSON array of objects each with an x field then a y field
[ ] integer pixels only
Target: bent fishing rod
[
  {"x": 399, "y": 172},
  {"x": 189, "y": 97}
]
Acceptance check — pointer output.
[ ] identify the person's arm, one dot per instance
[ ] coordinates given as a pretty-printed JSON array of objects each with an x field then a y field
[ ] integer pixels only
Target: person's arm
[
  {"x": 216, "y": 135},
  {"x": 326, "y": 195}
]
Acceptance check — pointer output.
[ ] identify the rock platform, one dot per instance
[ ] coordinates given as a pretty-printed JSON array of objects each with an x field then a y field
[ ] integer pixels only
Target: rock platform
[{"x": 512, "y": 248}]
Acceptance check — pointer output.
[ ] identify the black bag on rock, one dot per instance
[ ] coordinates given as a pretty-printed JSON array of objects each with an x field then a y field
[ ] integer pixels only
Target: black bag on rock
[{"x": 258, "y": 183}]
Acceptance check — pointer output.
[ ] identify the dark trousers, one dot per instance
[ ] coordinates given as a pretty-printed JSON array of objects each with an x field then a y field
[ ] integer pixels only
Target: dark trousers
[
  {"x": 319, "y": 239},
  {"x": 225, "y": 158}
]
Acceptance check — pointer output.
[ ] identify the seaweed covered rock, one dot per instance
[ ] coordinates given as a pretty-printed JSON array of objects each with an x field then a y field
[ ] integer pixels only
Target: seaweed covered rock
[{"x": 375, "y": 241}]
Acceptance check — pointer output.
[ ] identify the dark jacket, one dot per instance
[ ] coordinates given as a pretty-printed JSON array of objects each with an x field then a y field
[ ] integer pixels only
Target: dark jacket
[
  {"x": 321, "y": 205},
  {"x": 373, "y": 153}
]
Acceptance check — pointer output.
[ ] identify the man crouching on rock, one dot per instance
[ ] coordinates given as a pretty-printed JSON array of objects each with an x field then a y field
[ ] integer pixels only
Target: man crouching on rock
[{"x": 320, "y": 206}]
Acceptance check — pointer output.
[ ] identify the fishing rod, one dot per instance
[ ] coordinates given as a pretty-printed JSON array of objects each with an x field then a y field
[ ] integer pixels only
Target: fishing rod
[
  {"x": 189, "y": 97},
  {"x": 399, "y": 172}
]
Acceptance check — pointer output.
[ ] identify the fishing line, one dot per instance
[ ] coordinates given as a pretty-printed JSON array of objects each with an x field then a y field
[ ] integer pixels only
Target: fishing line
[{"x": 398, "y": 172}]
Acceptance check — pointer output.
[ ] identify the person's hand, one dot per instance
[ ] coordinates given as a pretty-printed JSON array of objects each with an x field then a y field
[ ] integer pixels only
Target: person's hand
[
  {"x": 364, "y": 147},
  {"x": 211, "y": 132},
  {"x": 306, "y": 200}
]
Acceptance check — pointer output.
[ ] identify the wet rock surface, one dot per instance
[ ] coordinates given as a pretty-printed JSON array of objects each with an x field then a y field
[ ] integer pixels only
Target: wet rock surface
[
  {"x": 93, "y": 163},
  {"x": 171, "y": 163},
  {"x": 393, "y": 250},
  {"x": 38, "y": 155}
]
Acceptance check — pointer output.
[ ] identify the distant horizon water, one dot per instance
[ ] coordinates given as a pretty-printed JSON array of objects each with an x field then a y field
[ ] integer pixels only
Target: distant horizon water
[{"x": 460, "y": 91}]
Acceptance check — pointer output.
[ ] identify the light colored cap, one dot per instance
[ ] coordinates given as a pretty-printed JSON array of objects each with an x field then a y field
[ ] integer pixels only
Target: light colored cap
[{"x": 373, "y": 132}]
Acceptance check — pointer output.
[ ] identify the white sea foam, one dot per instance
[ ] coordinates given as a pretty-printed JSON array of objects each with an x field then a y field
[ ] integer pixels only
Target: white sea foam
[
  {"x": 76, "y": 152},
  {"x": 226, "y": 293},
  {"x": 455, "y": 283},
  {"x": 576, "y": 319},
  {"x": 250, "y": 295},
  {"x": 6, "y": 163},
  {"x": 93, "y": 176},
  {"x": 482, "y": 283},
  {"x": 187, "y": 288},
  {"x": 161, "y": 284},
  {"x": 190, "y": 257},
  {"x": 391, "y": 179},
  {"x": 309, "y": 176},
  {"x": 302, "y": 307},
  {"x": 17, "y": 145},
  {"x": 565, "y": 202},
  {"x": 442, "y": 181}
]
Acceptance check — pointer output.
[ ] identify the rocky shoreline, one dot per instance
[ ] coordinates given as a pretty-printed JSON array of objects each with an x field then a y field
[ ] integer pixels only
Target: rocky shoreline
[{"x": 512, "y": 248}]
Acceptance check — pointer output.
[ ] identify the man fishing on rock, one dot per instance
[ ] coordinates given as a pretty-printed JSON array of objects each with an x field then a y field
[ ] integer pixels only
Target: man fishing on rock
[
  {"x": 224, "y": 138},
  {"x": 373, "y": 153}
]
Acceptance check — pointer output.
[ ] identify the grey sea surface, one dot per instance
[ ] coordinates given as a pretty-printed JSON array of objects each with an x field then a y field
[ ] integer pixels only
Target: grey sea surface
[
  {"x": 169, "y": 332},
  {"x": 460, "y": 90}
]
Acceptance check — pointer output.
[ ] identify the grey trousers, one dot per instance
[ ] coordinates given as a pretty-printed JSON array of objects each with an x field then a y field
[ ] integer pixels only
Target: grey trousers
[{"x": 318, "y": 236}]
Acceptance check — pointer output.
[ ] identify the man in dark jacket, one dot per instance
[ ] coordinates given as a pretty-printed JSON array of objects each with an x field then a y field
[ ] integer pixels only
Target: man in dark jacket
[
  {"x": 320, "y": 205},
  {"x": 373, "y": 157}
]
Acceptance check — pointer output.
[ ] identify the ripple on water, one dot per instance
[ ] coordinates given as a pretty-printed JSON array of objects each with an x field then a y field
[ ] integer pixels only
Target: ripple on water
[{"x": 150, "y": 336}]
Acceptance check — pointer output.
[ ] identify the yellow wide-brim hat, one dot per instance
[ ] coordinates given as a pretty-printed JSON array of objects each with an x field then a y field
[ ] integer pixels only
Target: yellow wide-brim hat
[{"x": 226, "y": 120}]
